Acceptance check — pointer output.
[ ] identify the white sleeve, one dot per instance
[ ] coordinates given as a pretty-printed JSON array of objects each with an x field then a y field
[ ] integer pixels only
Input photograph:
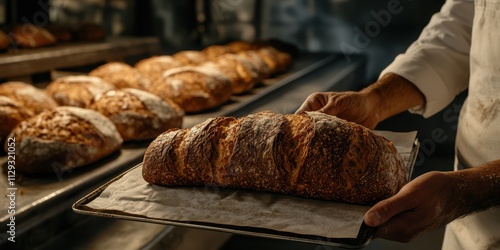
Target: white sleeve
[{"x": 438, "y": 62}]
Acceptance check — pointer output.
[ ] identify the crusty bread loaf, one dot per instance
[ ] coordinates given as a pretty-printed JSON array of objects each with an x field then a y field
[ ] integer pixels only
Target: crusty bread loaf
[
  {"x": 32, "y": 36},
  {"x": 121, "y": 75},
  {"x": 310, "y": 155},
  {"x": 137, "y": 114},
  {"x": 193, "y": 88},
  {"x": 190, "y": 57},
  {"x": 11, "y": 114},
  {"x": 257, "y": 61},
  {"x": 242, "y": 74},
  {"x": 64, "y": 138},
  {"x": 77, "y": 91},
  {"x": 153, "y": 67},
  {"x": 34, "y": 99},
  {"x": 276, "y": 61},
  {"x": 239, "y": 46}
]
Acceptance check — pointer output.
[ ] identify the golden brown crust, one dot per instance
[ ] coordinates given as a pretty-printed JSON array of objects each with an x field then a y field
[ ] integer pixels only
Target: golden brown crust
[
  {"x": 78, "y": 91},
  {"x": 257, "y": 61},
  {"x": 11, "y": 114},
  {"x": 34, "y": 99},
  {"x": 31, "y": 36},
  {"x": 121, "y": 75},
  {"x": 276, "y": 61},
  {"x": 154, "y": 66},
  {"x": 310, "y": 155},
  {"x": 62, "y": 139},
  {"x": 214, "y": 51},
  {"x": 238, "y": 46},
  {"x": 190, "y": 57},
  {"x": 193, "y": 88},
  {"x": 138, "y": 115},
  {"x": 242, "y": 73}
]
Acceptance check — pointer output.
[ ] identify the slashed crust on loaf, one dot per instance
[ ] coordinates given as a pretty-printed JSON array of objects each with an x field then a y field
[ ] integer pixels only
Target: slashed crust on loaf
[
  {"x": 190, "y": 57},
  {"x": 193, "y": 88},
  {"x": 242, "y": 73},
  {"x": 62, "y": 139},
  {"x": 33, "y": 98},
  {"x": 78, "y": 91},
  {"x": 138, "y": 115},
  {"x": 154, "y": 67},
  {"x": 310, "y": 155}
]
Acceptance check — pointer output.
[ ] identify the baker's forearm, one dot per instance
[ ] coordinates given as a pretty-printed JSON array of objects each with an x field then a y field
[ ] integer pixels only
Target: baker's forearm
[
  {"x": 477, "y": 188},
  {"x": 393, "y": 94}
]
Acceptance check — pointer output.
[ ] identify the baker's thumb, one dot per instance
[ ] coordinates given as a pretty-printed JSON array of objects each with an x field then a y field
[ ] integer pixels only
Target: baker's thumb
[{"x": 380, "y": 213}]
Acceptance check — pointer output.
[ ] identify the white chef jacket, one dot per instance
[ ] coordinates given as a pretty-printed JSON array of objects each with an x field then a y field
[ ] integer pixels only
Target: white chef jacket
[{"x": 459, "y": 49}]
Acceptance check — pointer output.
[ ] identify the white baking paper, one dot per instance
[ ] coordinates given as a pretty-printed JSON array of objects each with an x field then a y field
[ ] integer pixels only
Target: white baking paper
[{"x": 133, "y": 196}]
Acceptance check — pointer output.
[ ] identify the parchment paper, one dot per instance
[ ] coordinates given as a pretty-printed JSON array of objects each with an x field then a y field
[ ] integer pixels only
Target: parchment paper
[{"x": 133, "y": 196}]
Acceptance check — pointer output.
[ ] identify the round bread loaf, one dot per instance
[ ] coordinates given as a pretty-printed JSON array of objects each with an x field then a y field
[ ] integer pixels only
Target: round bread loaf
[
  {"x": 138, "y": 115},
  {"x": 190, "y": 57},
  {"x": 121, "y": 75},
  {"x": 32, "y": 36},
  {"x": 194, "y": 88},
  {"x": 77, "y": 91},
  {"x": 34, "y": 99},
  {"x": 62, "y": 139},
  {"x": 154, "y": 67},
  {"x": 11, "y": 113}
]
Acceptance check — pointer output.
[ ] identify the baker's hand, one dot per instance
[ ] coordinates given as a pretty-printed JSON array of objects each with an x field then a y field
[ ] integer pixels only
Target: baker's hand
[
  {"x": 352, "y": 106},
  {"x": 422, "y": 205}
]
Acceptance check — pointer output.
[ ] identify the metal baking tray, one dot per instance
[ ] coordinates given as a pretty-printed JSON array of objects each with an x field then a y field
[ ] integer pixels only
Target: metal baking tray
[
  {"x": 363, "y": 238},
  {"x": 35, "y": 193}
]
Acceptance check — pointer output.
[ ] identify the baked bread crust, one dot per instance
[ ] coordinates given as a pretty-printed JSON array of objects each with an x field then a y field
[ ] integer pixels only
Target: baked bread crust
[
  {"x": 309, "y": 155},
  {"x": 4, "y": 41},
  {"x": 77, "y": 91},
  {"x": 241, "y": 72},
  {"x": 153, "y": 67},
  {"x": 63, "y": 139},
  {"x": 34, "y": 99},
  {"x": 193, "y": 88},
  {"x": 121, "y": 75},
  {"x": 11, "y": 114},
  {"x": 214, "y": 51},
  {"x": 190, "y": 57},
  {"x": 138, "y": 115},
  {"x": 31, "y": 36}
]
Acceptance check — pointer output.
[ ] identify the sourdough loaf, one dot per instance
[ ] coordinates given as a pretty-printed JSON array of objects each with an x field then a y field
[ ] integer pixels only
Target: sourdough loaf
[
  {"x": 153, "y": 67},
  {"x": 137, "y": 114},
  {"x": 33, "y": 98},
  {"x": 190, "y": 57},
  {"x": 62, "y": 139},
  {"x": 11, "y": 114},
  {"x": 78, "y": 91},
  {"x": 121, "y": 75},
  {"x": 193, "y": 88},
  {"x": 240, "y": 71},
  {"x": 310, "y": 155}
]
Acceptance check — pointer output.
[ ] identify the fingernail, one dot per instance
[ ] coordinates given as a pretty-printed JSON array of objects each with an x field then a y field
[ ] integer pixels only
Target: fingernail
[{"x": 373, "y": 218}]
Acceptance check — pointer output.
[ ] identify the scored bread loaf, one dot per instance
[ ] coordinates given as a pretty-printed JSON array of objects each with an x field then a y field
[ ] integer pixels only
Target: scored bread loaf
[
  {"x": 32, "y": 36},
  {"x": 309, "y": 155},
  {"x": 190, "y": 57},
  {"x": 63, "y": 139},
  {"x": 121, "y": 75},
  {"x": 78, "y": 91},
  {"x": 32, "y": 98},
  {"x": 193, "y": 88},
  {"x": 137, "y": 114},
  {"x": 153, "y": 67}
]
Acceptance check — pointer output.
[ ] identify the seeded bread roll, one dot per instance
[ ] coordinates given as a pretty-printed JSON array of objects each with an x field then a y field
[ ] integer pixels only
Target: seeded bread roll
[
  {"x": 34, "y": 99},
  {"x": 77, "y": 91},
  {"x": 11, "y": 114},
  {"x": 154, "y": 67},
  {"x": 190, "y": 57},
  {"x": 32, "y": 36},
  {"x": 121, "y": 75},
  {"x": 193, "y": 88},
  {"x": 138, "y": 115},
  {"x": 310, "y": 155},
  {"x": 62, "y": 139}
]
